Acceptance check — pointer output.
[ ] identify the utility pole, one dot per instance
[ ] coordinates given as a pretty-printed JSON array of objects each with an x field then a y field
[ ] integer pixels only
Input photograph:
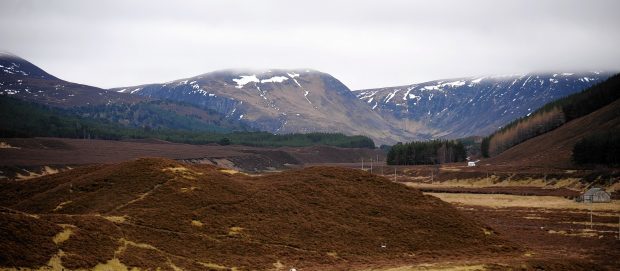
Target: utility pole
[
  {"x": 362, "y": 163},
  {"x": 394, "y": 174},
  {"x": 591, "y": 202},
  {"x": 371, "y": 165}
]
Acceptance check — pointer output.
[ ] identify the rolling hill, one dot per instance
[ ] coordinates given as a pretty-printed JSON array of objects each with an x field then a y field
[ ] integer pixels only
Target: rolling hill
[{"x": 160, "y": 214}]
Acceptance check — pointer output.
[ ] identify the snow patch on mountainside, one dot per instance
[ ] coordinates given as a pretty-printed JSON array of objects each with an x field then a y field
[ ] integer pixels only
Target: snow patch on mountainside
[
  {"x": 475, "y": 105},
  {"x": 390, "y": 96},
  {"x": 453, "y": 84},
  {"x": 245, "y": 79},
  {"x": 275, "y": 79},
  {"x": 13, "y": 69},
  {"x": 293, "y": 75}
]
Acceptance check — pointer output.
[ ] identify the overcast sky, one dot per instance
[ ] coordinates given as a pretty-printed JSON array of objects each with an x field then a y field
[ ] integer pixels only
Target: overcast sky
[{"x": 365, "y": 44}]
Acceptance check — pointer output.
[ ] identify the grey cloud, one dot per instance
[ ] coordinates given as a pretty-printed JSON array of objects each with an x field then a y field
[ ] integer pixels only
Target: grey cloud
[{"x": 363, "y": 43}]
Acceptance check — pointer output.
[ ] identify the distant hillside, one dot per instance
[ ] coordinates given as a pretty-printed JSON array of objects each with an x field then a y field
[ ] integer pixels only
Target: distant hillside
[
  {"x": 160, "y": 115},
  {"x": 23, "y": 119},
  {"x": 157, "y": 214},
  {"x": 302, "y": 101},
  {"x": 554, "y": 149},
  {"x": 275, "y": 101},
  {"x": 542, "y": 141},
  {"x": 462, "y": 107},
  {"x": 552, "y": 115},
  {"x": 23, "y": 80},
  {"x": 279, "y": 101}
]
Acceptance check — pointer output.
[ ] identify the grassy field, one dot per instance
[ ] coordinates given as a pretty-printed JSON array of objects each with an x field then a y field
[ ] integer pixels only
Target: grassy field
[{"x": 506, "y": 201}]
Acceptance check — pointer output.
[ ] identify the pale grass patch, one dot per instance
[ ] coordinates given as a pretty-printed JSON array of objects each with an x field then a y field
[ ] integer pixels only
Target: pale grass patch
[
  {"x": 611, "y": 225},
  {"x": 48, "y": 170},
  {"x": 213, "y": 266},
  {"x": 4, "y": 145},
  {"x": 451, "y": 169},
  {"x": 174, "y": 267},
  {"x": 433, "y": 267},
  {"x": 45, "y": 171},
  {"x": 234, "y": 231},
  {"x": 582, "y": 233},
  {"x": 278, "y": 266},
  {"x": 141, "y": 245},
  {"x": 55, "y": 263},
  {"x": 183, "y": 172},
  {"x": 504, "y": 201},
  {"x": 62, "y": 205},
  {"x": 116, "y": 219},
  {"x": 533, "y": 217},
  {"x": 476, "y": 183},
  {"x": 614, "y": 187},
  {"x": 63, "y": 235},
  {"x": 493, "y": 181},
  {"x": 229, "y": 171},
  {"x": 234, "y": 171},
  {"x": 188, "y": 189},
  {"x": 124, "y": 243},
  {"x": 113, "y": 264}
]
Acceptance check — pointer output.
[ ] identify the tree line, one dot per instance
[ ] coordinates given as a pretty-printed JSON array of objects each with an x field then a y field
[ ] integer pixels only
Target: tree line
[
  {"x": 427, "y": 152},
  {"x": 157, "y": 115},
  {"x": 599, "y": 148},
  {"x": 25, "y": 119}
]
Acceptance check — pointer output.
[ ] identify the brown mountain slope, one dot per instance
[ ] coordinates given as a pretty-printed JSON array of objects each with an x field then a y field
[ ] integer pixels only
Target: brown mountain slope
[
  {"x": 23, "y": 80},
  {"x": 156, "y": 213},
  {"x": 282, "y": 101},
  {"x": 554, "y": 149}
]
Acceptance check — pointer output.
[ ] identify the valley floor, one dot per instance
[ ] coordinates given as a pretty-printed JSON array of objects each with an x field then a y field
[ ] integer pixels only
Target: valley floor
[
  {"x": 556, "y": 233},
  {"x": 530, "y": 207}
]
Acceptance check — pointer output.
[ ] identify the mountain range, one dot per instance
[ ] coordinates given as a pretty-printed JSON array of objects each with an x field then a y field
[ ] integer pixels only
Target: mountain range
[
  {"x": 24, "y": 80},
  {"x": 303, "y": 100},
  {"x": 278, "y": 101},
  {"x": 462, "y": 107}
]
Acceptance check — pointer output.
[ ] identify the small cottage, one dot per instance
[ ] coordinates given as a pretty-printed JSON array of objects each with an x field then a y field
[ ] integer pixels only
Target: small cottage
[{"x": 594, "y": 195}]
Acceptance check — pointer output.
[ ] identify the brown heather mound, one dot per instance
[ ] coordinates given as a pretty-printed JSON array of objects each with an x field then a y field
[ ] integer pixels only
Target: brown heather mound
[{"x": 157, "y": 213}]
